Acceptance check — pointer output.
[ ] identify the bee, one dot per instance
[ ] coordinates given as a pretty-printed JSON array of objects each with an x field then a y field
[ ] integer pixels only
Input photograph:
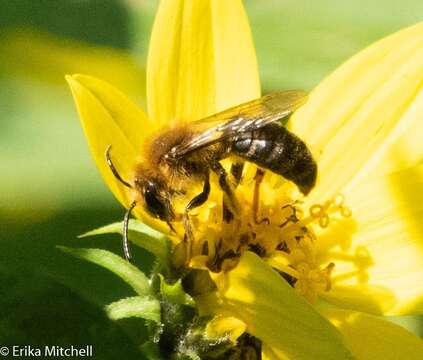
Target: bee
[{"x": 184, "y": 155}]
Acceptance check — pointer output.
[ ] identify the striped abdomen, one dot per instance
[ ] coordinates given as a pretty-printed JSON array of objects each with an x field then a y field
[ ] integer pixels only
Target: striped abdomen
[{"x": 275, "y": 148}]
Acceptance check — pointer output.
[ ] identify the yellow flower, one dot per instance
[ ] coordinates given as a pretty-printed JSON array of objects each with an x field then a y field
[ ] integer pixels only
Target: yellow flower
[{"x": 355, "y": 241}]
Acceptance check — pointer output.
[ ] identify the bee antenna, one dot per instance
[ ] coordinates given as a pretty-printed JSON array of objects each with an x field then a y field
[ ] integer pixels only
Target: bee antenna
[
  {"x": 125, "y": 241},
  {"x": 112, "y": 167}
]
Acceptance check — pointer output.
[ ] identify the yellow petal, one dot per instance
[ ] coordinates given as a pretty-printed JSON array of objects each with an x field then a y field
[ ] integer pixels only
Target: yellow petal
[
  {"x": 268, "y": 353},
  {"x": 201, "y": 60},
  {"x": 256, "y": 294},
  {"x": 228, "y": 326},
  {"x": 403, "y": 152},
  {"x": 372, "y": 299},
  {"x": 379, "y": 262},
  {"x": 372, "y": 338},
  {"x": 362, "y": 106},
  {"x": 109, "y": 118}
]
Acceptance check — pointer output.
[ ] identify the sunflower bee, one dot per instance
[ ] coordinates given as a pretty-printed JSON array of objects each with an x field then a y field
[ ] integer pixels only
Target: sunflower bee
[{"x": 183, "y": 155}]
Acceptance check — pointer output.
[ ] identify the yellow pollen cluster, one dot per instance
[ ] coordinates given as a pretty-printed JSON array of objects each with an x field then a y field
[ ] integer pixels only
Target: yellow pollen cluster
[
  {"x": 297, "y": 259},
  {"x": 283, "y": 235}
]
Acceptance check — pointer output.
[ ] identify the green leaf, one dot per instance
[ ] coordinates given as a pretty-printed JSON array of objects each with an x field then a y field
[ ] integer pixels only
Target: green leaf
[
  {"x": 137, "y": 306},
  {"x": 122, "y": 268},
  {"x": 191, "y": 355},
  {"x": 151, "y": 350},
  {"x": 141, "y": 235},
  {"x": 36, "y": 309},
  {"x": 175, "y": 293}
]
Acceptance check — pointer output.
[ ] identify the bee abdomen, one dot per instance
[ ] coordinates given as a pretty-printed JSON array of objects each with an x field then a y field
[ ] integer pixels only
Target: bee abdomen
[{"x": 275, "y": 148}]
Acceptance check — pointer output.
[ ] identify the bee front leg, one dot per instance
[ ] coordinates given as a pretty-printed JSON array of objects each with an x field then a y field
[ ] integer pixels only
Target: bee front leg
[
  {"x": 226, "y": 186},
  {"x": 198, "y": 200}
]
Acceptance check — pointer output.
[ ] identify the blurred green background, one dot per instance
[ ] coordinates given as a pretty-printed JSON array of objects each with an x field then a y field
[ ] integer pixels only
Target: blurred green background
[{"x": 50, "y": 188}]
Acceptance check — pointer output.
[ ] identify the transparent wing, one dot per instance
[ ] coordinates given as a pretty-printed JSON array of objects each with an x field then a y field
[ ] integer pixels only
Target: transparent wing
[{"x": 241, "y": 119}]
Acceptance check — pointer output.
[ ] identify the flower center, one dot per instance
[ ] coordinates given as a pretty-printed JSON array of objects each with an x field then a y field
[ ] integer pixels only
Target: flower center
[{"x": 282, "y": 234}]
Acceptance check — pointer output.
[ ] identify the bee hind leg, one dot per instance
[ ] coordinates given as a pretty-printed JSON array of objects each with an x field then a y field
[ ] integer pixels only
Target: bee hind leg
[
  {"x": 237, "y": 169},
  {"x": 198, "y": 200},
  {"x": 230, "y": 199}
]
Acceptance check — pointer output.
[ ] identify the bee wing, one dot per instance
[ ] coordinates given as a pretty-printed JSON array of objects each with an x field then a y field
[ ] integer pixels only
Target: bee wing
[{"x": 244, "y": 118}]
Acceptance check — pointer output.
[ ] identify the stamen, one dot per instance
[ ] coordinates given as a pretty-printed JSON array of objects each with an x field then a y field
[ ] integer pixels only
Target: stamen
[
  {"x": 286, "y": 240},
  {"x": 328, "y": 271},
  {"x": 346, "y": 212},
  {"x": 296, "y": 254},
  {"x": 320, "y": 212},
  {"x": 279, "y": 264}
]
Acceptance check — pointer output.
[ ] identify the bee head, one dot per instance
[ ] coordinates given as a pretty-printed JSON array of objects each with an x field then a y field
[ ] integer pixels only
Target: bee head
[{"x": 156, "y": 198}]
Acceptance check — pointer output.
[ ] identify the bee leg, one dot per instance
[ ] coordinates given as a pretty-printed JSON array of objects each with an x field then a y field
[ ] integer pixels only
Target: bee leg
[
  {"x": 256, "y": 198},
  {"x": 236, "y": 172},
  {"x": 198, "y": 200},
  {"x": 227, "y": 188},
  {"x": 125, "y": 241}
]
